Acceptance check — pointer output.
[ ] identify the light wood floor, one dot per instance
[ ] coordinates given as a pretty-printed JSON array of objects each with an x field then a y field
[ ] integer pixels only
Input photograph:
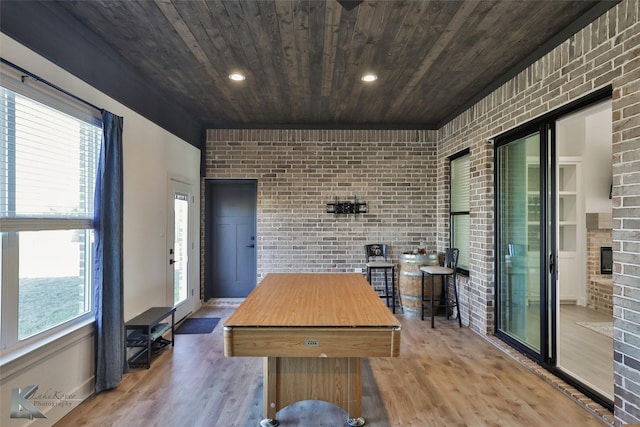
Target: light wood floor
[
  {"x": 583, "y": 353},
  {"x": 445, "y": 376}
]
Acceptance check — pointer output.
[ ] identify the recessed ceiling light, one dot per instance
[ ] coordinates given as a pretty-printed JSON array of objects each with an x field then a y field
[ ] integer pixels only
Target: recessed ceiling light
[
  {"x": 369, "y": 78},
  {"x": 238, "y": 77}
]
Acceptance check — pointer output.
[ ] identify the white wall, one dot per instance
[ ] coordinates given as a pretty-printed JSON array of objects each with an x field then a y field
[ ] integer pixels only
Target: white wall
[
  {"x": 598, "y": 159},
  {"x": 587, "y": 134},
  {"x": 151, "y": 156}
]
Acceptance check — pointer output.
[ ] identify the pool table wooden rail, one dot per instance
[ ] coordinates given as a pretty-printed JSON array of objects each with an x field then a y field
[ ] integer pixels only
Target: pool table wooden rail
[{"x": 312, "y": 342}]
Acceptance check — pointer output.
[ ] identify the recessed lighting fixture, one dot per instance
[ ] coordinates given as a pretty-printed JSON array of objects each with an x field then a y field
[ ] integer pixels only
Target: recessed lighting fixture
[
  {"x": 238, "y": 77},
  {"x": 369, "y": 78}
]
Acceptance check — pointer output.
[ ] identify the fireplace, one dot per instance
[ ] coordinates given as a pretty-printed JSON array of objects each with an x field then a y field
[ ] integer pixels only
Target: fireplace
[{"x": 606, "y": 260}]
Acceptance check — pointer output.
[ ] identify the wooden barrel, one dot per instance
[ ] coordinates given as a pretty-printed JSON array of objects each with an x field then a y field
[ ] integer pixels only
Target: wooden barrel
[{"x": 409, "y": 284}]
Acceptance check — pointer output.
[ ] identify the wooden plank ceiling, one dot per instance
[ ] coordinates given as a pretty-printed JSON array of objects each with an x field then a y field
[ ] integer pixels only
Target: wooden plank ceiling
[{"x": 304, "y": 58}]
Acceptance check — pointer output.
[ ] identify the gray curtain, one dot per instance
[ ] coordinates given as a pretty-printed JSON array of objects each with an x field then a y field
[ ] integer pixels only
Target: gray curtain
[{"x": 111, "y": 356}]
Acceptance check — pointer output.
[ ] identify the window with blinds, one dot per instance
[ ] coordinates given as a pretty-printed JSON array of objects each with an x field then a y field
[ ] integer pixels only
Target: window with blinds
[
  {"x": 48, "y": 164},
  {"x": 459, "y": 207}
]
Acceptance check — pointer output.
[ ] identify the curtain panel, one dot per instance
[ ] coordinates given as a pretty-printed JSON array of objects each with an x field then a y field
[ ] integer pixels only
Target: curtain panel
[{"x": 111, "y": 358}]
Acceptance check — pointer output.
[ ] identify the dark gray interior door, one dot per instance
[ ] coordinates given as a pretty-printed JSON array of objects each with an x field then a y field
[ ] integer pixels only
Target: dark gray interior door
[{"x": 230, "y": 238}]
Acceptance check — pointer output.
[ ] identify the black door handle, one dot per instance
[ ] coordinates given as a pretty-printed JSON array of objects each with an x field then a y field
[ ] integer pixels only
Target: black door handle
[{"x": 251, "y": 246}]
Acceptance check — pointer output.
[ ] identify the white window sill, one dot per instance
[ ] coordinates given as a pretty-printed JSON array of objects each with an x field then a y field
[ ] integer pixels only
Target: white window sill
[{"x": 15, "y": 359}]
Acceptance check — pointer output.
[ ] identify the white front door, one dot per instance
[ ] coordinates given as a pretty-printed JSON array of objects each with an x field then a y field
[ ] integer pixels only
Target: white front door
[{"x": 180, "y": 292}]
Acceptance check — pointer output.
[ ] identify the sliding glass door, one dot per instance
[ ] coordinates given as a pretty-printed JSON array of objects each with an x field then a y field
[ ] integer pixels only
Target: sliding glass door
[
  {"x": 520, "y": 244},
  {"x": 552, "y": 201}
]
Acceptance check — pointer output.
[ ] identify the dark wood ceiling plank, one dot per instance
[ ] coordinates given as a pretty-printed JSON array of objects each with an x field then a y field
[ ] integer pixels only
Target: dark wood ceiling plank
[
  {"x": 341, "y": 80},
  {"x": 146, "y": 35},
  {"x": 216, "y": 37},
  {"x": 284, "y": 11},
  {"x": 488, "y": 25},
  {"x": 274, "y": 88},
  {"x": 457, "y": 22},
  {"x": 352, "y": 68},
  {"x": 125, "y": 20},
  {"x": 240, "y": 24},
  {"x": 316, "y": 38},
  {"x": 378, "y": 57},
  {"x": 184, "y": 31},
  {"x": 302, "y": 42},
  {"x": 419, "y": 31},
  {"x": 414, "y": 35},
  {"x": 376, "y": 18},
  {"x": 470, "y": 45},
  {"x": 182, "y": 69},
  {"x": 330, "y": 46}
]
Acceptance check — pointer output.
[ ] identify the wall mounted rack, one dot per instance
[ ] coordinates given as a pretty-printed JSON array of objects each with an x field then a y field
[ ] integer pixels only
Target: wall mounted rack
[{"x": 347, "y": 207}]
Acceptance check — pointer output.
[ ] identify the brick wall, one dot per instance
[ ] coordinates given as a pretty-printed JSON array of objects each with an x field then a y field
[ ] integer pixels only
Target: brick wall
[
  {"x": 626, "y": 210},
  {"x": 600, "y": 286},
  {"x": 600, "y": 294},
  {"x": 606, "y": 52},
  {"x": 299, "y": 171}
]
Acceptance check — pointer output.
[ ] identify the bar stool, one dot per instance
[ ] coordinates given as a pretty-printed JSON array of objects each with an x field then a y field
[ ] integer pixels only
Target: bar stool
[
  {"x": 449, "y": 269},
  {"x": 376, "y": 258}
]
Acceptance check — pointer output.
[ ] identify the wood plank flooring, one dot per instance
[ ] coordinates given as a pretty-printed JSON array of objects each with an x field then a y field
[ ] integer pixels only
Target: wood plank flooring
[
  {"x": 444, "y": 376},
  {"x": 583, "y": 353}
]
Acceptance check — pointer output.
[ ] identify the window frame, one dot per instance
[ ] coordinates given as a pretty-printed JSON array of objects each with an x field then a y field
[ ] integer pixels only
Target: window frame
[
  {"x": 11, "y": 345},
  {"x": 452, "y": 213}
]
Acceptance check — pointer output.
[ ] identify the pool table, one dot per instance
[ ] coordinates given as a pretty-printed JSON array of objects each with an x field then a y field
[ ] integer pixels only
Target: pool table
[{"x": 312, "y": 329}]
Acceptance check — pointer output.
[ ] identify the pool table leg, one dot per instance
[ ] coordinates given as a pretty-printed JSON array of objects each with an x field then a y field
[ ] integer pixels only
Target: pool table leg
[
  {"x": 355, "y": 392},
  {"x": 269, "y": 392},
  {"x": 298, "y": 378}
]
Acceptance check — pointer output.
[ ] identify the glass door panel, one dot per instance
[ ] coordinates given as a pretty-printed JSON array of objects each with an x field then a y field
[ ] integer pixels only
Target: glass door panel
[
  {"x": 519, "y": 240},
  {"x": 181, "y": 248},
  {"x": 180, "y": 292}
]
